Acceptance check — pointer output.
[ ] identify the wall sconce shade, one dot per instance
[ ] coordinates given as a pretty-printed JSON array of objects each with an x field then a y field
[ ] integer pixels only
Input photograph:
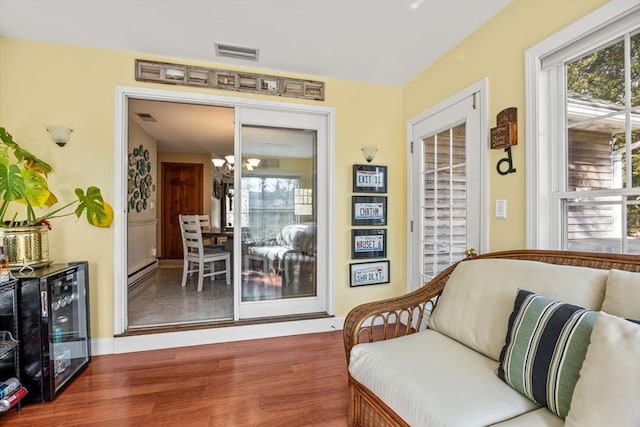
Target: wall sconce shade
[
  {"x": 369, "y": 153},
  {"x": 59, "y": 134}
]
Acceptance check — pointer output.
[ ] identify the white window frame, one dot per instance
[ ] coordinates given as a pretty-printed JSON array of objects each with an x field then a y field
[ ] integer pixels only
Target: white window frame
[{"x": 544, "y": 123}]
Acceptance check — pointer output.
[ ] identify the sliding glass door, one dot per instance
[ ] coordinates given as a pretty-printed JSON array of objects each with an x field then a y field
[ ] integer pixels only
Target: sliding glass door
[{"x": 279, "y": 192}]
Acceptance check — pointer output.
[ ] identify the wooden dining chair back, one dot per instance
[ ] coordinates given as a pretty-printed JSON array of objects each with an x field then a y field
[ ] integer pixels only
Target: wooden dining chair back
[
  {"x": 205, "y": 224},
  {"x": 197, "y": 257}
]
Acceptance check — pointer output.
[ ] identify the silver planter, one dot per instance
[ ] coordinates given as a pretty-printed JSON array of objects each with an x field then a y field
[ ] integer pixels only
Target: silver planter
[{"x": 26, "y": 246}]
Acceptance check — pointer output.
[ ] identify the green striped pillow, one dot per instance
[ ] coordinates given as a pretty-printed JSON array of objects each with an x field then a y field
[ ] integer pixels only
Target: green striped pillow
[{"x": 544, "y": 349}]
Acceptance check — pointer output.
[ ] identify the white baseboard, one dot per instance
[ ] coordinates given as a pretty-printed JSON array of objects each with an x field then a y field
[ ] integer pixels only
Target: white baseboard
[{"x": 148, "y": 342}]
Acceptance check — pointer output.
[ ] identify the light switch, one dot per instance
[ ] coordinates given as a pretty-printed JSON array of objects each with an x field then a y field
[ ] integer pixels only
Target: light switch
[{"x": 501, "y": 209}]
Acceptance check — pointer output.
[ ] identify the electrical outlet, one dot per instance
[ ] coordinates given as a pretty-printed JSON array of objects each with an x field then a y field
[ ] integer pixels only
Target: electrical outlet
[{"x": 501, "y": 209}]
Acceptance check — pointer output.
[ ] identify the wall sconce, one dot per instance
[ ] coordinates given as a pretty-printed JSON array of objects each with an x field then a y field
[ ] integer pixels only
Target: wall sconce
[
  {"x": 59, "y": 134},
  {"x": 369, "y": 153}
]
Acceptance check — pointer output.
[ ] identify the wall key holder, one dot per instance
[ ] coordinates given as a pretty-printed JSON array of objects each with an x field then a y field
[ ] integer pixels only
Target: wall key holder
[{"x": 504, "y": 136}]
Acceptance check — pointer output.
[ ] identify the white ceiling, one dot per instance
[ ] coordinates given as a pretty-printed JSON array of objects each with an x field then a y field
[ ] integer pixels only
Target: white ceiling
[
  {"x": 375, "y": 41},
  {"x": 192, "y": 128}
]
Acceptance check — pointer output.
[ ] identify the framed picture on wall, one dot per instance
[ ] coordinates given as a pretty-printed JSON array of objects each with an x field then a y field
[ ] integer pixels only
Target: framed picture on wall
[
  {"x": 369, "y": 179},
  {"x": 369, "y": 273},
  {"x": 370, "y": 243},
  {"x": 368, "y": 210}
]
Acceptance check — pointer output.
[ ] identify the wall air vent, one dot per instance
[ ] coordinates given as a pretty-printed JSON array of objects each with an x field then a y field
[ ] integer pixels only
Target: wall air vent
[
  {"x": 146, "y": 117},
  {"x": 236, "y": 52}
]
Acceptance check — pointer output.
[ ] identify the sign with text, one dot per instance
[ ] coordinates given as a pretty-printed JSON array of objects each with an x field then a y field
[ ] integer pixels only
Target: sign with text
[
  {"x": 369, "y": 210},
  {"x": 369, "y": 273},
  {"x": 369, "y": 179},
  {"x": 368, "y": 243}
]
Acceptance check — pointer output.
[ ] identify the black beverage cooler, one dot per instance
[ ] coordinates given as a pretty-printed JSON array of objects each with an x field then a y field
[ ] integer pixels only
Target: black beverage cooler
[{"x": 54, "y": 325}]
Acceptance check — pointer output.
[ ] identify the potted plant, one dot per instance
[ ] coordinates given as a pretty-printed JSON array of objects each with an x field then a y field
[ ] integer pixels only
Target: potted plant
[{"x": 23, "y": 180}]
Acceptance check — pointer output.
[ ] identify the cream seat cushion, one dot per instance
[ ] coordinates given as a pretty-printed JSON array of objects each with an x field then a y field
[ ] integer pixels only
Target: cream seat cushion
[
  {"x": 622, "y": 294},
  {"x": 475, "y": 305},
  {"x": 429, "y": 379},
  {"x": 539, "y": 418},
  {"x": 608, "y": 390}
]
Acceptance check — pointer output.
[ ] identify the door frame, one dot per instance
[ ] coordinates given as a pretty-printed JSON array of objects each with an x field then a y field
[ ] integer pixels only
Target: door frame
[
  {"x": 122, "y": 96},
  {"x": 481, "y": 89}
]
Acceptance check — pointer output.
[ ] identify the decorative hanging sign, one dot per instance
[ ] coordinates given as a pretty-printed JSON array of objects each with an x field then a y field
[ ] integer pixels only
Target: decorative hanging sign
[
  {"x": 506, "y": 133},
  {"x": 504, "y": 136}
]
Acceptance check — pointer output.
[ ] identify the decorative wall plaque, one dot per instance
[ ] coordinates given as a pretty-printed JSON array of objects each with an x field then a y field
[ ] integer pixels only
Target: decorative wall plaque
[
  {"x": 186, "y": 75},
  {"x": 505, "y": 134}
]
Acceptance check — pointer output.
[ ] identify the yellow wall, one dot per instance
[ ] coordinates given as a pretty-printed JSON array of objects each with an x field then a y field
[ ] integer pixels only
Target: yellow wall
[
  {"x": 47, "y": 84},
  {"x": 496, "y": 51}
]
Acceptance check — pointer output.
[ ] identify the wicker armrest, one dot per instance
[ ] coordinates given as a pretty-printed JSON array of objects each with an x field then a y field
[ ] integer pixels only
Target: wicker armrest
[{"x": 394, "y": 317}]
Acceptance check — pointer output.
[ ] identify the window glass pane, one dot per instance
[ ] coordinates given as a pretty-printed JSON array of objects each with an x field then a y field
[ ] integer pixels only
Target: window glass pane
[
  {"x": 633, "y": 224},
  {"x": 443, "y": 140},
  {"x": 635, "y": 70},
  {"x": 598, "y": 78},
  {"x": 278, "y": 213},
  {"x": 634, "y": 163},
  {"x": 593, "y": 224},
  {"x": 590, "y": 161},
  {"x": 429, "y": 148}
]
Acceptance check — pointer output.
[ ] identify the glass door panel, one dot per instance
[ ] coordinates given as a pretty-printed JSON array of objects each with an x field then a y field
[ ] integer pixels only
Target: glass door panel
[
  {"x": 276, "y": 197},
  {"x": 446, "y": 188}
]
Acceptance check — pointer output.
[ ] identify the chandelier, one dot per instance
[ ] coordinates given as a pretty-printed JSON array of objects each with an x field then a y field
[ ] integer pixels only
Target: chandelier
[{"x": 226, "y": 166}]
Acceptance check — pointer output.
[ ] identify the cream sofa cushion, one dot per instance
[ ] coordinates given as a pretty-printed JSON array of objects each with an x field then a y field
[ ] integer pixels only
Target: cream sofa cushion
[
  {"x": 539, "y": 418},
  {"x": 429, "y": 379},
  {"x": 475, "y": 305},
  {"x": 608, "y": 390},
  {"x": 622, "y": 294}
]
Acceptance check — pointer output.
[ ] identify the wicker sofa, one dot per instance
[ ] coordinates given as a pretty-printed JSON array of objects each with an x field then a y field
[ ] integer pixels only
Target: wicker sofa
[{"x": 433, "y": 357}]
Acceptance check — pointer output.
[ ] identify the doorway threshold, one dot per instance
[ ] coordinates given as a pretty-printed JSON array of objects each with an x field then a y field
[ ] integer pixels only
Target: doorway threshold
[{"x": 193, "y": 326}]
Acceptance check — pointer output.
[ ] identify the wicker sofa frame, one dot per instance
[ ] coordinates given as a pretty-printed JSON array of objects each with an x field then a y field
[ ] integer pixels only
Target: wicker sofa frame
[{"x": 390, "y": 318}]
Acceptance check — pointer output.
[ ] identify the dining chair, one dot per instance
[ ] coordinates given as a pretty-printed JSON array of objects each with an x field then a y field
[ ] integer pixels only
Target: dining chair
[
  {"x": 196, "y": 254},
  {"x": 205, "y": 224}
]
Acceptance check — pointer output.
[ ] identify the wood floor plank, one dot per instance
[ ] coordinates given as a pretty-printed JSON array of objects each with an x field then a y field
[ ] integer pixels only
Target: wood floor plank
[{"x": 287, "y": 381}]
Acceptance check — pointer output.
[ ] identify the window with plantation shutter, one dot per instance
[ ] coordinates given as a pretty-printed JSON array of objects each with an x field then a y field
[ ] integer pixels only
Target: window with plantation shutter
[
  {"x": 445, "y": 195},
  {"x": 447, "y": 181}
]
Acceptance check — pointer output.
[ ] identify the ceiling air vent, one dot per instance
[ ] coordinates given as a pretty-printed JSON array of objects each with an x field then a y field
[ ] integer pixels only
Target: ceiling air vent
[
  {"x": 146, "y": 117},
  {"x": 236, "y": 51}
]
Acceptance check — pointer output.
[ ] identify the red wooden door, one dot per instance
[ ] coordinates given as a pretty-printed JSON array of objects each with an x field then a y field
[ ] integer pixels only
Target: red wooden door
[{"x": 181, "y": 195}]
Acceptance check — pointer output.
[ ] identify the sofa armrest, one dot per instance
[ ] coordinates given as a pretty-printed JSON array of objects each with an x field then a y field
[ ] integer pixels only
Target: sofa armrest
[{"x": 393, "y": 317}]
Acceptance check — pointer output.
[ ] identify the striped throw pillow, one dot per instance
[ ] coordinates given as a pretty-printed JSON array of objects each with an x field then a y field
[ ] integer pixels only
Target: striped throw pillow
[{"x": 544, "y": 349}]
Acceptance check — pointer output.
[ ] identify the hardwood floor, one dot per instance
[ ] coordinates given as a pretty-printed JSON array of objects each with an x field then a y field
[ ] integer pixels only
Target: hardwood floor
[{"x": 288, "y": 381}]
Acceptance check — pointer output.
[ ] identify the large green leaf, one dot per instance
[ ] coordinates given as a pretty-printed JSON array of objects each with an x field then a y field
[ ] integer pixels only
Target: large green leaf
[
  {"x": 37, "y": 190},
  {"x": 99, "y": 212},
  {"x": 12, "y": 185}
]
